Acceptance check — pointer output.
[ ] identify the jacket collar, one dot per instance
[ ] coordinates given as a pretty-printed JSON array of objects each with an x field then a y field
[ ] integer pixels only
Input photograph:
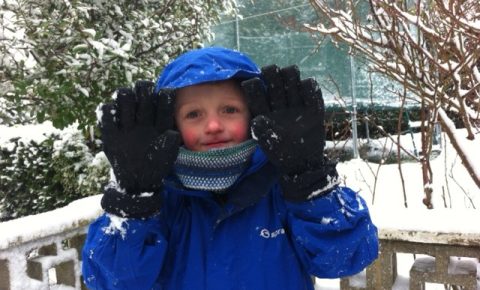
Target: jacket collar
[{"x": 254, "y": 183}]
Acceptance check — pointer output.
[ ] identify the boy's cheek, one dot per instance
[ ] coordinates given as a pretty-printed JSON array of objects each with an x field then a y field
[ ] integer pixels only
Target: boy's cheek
[
  {"x": 242, "y": 132},
  {"x": 189, "y": 139},
  {"x": 242, "y": 136}
]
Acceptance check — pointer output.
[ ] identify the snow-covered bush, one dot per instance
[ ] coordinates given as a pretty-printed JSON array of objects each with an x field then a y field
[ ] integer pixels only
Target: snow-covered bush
[
  {"x": 37, "y": 176},
  {"x": 61, "y": 58}
]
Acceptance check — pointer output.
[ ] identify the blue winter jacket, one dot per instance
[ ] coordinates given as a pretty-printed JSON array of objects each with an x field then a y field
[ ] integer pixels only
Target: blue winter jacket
[{"x": 252, "y": 239}]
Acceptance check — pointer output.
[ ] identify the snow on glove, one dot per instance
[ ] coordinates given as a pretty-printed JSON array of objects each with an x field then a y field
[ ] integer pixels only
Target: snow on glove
[
  {"x": 141, "y": 146},
  {"x": 288, "y": 123}
]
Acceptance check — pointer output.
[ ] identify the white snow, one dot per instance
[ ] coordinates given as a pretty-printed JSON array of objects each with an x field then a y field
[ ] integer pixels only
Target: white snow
[
  {"x": 37, "y": 133},
  {"x": 49, "y": 223},
  {"x": 117, "y": 224},
  {"x": 90, "y": 32},
  {"x": 99, "y": 112},
  {"x": 332, "y": 182}
]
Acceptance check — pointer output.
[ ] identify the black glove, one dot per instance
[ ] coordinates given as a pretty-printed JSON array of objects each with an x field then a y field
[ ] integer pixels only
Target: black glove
[
  {"x": 141, "y": 146},
  {"x": 288, "y": 122}
]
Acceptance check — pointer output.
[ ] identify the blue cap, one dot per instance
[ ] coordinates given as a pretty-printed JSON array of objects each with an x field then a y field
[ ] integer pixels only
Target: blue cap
[{"x": 206, "y": 65}]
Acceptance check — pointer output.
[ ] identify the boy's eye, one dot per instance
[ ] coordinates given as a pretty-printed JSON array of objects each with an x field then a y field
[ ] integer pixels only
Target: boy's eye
[
  {"x": 192, "y": 115},
  {"x": 230, "y": 110}
]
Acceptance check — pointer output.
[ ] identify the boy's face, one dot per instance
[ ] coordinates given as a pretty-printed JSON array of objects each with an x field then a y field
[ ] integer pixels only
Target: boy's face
[{"x": 212, "y": 115}]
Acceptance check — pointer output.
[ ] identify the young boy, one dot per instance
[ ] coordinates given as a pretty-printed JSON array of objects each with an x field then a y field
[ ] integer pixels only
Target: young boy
[{"x": 240, "y": 197}]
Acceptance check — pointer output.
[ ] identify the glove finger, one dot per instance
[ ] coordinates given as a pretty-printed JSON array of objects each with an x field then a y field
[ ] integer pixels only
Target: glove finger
[
  {"x": 254, "y": 92},
  {"x": 160, "y": 156},
  {"x": 145, "y": 111},
  {"x": 165, "y": 148},
  {"x": 107, "y": 118},
  {"x": 291, "y": 77},
  {"x": 266, "y": 133},
  {"x": 109, "y": 135},
  {"x": 126, "y": 107},
  {"x": 275, "y": 87},
  {"x": 270, "y": 138},
  {"x": 171, "y": 143},
  {"x": 165, "y": 110},
  {"x": 312, "y": 95}
]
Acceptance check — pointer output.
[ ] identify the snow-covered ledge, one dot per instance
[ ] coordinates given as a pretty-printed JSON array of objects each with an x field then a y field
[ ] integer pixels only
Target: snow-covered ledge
[
  {"x": 42, "y": 251},
  {"x": 439, "y": 226},
  {"x": 445, "y": 244}
]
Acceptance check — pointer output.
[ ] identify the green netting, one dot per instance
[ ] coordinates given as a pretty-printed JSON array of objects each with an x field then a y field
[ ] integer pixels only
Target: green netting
[{"x": 273, "y": 32}]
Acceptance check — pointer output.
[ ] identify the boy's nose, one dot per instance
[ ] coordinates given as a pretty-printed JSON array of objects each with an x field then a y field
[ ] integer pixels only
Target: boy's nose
[{"x": 214, "y": 124}]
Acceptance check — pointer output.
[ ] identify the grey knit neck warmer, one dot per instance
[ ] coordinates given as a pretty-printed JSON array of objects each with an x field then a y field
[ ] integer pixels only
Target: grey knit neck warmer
[{"x": 213, "y": 170}]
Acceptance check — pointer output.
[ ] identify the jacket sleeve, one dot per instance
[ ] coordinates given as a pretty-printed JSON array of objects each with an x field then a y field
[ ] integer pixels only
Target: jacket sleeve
[
  {"x": 123, "y": 253},
  {"x": 333, "y": 234}
]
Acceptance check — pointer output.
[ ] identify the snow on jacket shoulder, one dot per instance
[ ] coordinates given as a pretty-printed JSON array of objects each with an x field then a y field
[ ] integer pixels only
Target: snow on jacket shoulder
[{"x": 252, "y": 240}]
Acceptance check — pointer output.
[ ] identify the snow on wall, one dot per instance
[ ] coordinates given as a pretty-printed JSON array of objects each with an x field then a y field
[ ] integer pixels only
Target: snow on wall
[
  {"x": 447, "y": 223},
  {"x": 21, "y": 240},
  {"x": 77, "y": 214},
  {"x": 441, "y": 226}
]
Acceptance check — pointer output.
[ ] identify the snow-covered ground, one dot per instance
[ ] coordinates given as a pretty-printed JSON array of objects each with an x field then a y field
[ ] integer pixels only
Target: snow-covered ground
[{"x": 380, "y": 185}]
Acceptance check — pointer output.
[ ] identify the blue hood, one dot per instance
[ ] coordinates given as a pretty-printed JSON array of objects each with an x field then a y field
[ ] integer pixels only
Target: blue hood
[{"x": 206, "y": 65}]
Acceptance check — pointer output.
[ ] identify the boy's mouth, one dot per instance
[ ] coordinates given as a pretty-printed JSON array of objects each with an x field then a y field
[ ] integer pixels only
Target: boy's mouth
[{"x": 217, "y": 144}]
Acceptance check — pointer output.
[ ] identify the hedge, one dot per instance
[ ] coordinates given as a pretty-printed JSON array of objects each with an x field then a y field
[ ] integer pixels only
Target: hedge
[{"x": 38, "y": 176}]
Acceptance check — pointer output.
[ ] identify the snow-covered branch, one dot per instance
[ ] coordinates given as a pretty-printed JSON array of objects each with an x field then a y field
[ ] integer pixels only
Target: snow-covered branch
[{"x": 430, "y": 47}]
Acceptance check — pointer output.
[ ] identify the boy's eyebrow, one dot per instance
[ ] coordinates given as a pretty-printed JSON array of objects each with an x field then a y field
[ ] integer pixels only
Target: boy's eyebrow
[{"x": 184, "y": 106}]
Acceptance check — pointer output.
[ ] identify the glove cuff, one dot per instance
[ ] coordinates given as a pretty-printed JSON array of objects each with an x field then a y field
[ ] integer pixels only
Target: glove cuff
[
  {"x": 143, "y": 205},
  {"x": 310, "y": 184}
]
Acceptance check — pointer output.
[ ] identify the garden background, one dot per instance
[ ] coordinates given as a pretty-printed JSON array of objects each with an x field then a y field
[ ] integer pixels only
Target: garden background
[{"x": 402, "y": 122}]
